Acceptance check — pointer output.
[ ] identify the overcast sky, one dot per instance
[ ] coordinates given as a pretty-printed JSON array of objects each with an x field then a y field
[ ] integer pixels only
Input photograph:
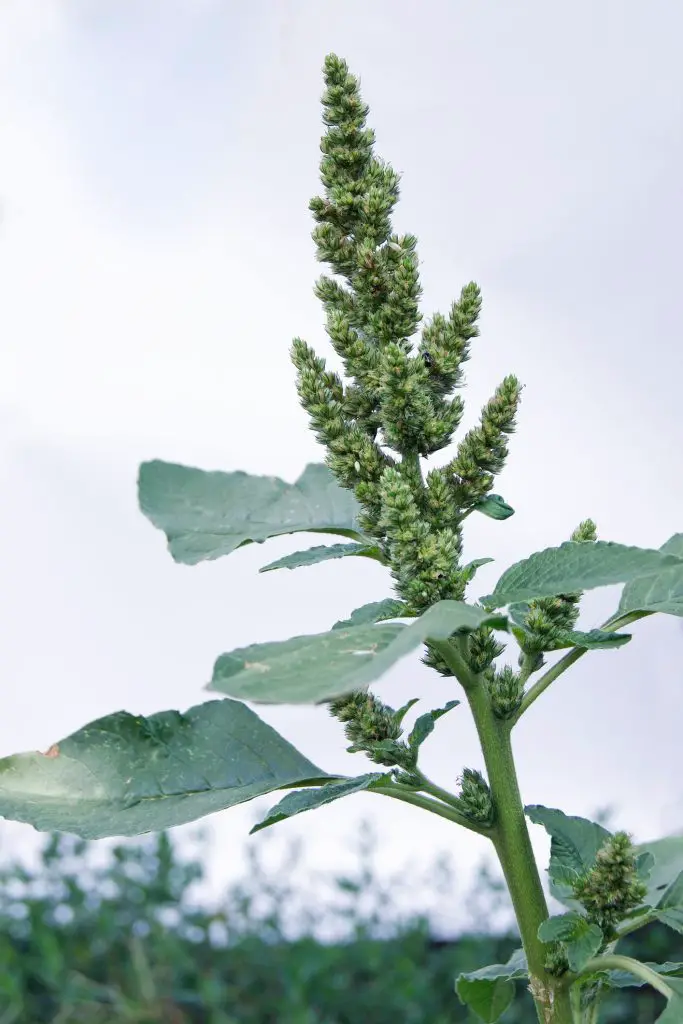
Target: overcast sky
[{"x": 155, "y": 261}]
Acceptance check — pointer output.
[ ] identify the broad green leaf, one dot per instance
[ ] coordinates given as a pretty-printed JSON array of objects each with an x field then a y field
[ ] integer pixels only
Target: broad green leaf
[
  {"x": 673, "y": 546},
  {"x": 376, "y": 611},
  {"x": 494, "y": 507},
  {"x": 624, "y": 979},
  {"x": 573, "y": 848},
  {"x": 670, "y": 907},
  {"x": 661, "y": 593},
  {"x": 209, "y": 514},
  {"x": 123, "y": 775},
  {"x": 581, "y": 941},
  {"x": 424, "y": 725},
  {"x": 323, "y": 553},
  {"x": 309, "y": 799},
  {"x": 575, "y": 566},
  {"x": 490, "y": 990},
  {"x": 320, "y": 667},
  {"x": 668, "y": 864}
]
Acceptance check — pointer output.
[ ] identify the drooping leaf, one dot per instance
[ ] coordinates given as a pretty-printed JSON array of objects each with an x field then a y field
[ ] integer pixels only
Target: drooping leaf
[
  {"x": 323, "y": 553},
  {"x": 123, "y": 775},
  {"x": 575, "y": 566},
  {"x": 580, "y": 940},
  {"x": 209, "y": 514},
  {"x": 494, "y": 507},
  {"x": 311, "y": 669},
  {"x": 424, "y": 725},
  {"x": 490, "y": 990},
  {"x": 376, "y": 611},
  {"x": 624, "y": 979},
  {"x": 309, "y": 799},
  {"x": 573, "y": 847}
]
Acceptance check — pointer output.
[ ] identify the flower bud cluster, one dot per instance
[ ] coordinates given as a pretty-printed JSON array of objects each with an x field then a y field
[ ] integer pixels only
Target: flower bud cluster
[
  {"x": 611, "y": 888},
  {"x": 547, "y": 620},
  {"x": 374, "y": 729}
]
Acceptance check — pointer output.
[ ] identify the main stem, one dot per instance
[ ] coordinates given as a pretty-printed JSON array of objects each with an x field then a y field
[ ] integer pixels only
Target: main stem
[{"x": 511, "y": 839}]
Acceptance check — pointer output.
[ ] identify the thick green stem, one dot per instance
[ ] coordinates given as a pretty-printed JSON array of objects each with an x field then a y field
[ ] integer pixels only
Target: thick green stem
[{"x": 511, "y": 839}]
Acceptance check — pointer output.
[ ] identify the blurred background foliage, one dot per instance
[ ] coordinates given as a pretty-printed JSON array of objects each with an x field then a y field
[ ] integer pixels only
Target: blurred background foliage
[{"x": 89, "y": 940}]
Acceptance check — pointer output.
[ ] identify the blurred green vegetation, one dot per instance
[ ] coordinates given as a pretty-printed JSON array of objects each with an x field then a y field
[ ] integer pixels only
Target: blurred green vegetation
[{"x": 94, "y": 940}]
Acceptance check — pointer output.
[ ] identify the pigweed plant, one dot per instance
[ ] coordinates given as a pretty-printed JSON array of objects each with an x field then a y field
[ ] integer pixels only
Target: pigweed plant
[{"x": 396, "y": 406}]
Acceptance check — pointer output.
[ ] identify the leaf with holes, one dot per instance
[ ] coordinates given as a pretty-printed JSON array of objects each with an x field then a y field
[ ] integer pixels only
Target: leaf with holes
[
  {"x": 209, "y": 514},
  {"x": 123, "y": 775},
  {"x": 312, "y": 669},
  {"x": 309, "y": 799}
]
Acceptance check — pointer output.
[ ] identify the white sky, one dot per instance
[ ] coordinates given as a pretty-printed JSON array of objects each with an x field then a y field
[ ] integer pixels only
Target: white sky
[{"x": 155, "y": 262}]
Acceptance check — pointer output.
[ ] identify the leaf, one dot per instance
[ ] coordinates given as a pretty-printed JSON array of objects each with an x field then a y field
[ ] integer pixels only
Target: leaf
[
  {"x": 624, "y": 979},
  {"x": 123, "y": 774},
  {"x": 320, "y": 667},
  {"x": 490, "y": 990},
  {"x": 309, "y": 799},
  {"x": 580, "y": 939},
  {"x": 206, "y": 515},
  {"x": 401, "y": 713},
  {"x": 594, "y": 640},
  {"x": 470, "y": 569},
  {"x": 322, "y": 553},
  {"x": 573, "y": 848},
  {"x": 673, "y": 546},
  {"x": 376, "y": 611},
  {"x": 673, "y": 1014},
  {"x": 668, "y": 864},
  {"x": 670, "y": 907},
  {"x": 424, "y": 725},
  {"x": 494, "y": 507},
  {"x": 575, "y": 566},
  {"x": 661, "y": 593}
]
